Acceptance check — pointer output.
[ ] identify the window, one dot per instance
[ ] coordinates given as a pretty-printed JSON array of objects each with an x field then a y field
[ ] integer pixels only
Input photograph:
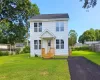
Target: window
[
  {"x": 59, "y": 44},
  {"x": 37, "y": 27},
  {"x": 49, "y": 42},
  {"x": 59, "y": 26},
  {"x": 37, "y": 44}
]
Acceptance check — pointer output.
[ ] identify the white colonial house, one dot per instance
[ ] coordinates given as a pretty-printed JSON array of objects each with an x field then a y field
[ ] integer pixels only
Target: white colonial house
[{"x": 49, "y": 31}]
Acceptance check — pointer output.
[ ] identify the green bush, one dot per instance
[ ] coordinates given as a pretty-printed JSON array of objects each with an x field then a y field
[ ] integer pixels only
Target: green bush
[
  {"x": 17, "y": 51},
  {"x": 1, "y": 53},
  {"x": 4, "y": 53},
  {"x": 80, "y": 48},
  {"x": 26, "y": 49}
]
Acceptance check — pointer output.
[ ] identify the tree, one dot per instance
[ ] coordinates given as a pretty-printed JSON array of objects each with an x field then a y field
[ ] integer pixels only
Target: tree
[
  {"x": 81, "y": 39},
  {"x": 17, "y": 12},
  {"x": 89, "y": 3},
  {"x": 97, "y": 34},
  {"x": 88, "y": 35},
  {"x": 72, "y": 37}
]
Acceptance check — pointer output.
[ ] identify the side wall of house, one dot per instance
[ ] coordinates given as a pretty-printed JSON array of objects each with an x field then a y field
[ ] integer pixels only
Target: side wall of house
[{"x": 51, "y": 26}]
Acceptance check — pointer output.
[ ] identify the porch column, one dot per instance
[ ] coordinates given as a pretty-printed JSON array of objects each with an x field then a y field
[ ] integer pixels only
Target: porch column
[{"x": 53, "y": 43}]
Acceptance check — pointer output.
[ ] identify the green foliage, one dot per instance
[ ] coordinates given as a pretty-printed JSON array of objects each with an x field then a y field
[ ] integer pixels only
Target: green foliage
[
  {"x": 17, "y": 51},
  {"x": 81, "y": 48},
  {"x": 26, "y": 49},
  {"x": 4, "y": 53},
  {"x": 72, "y": 37},
  {"x": 90, "y": 35},
  {"x": 14, "y": 15},
  {"x": 89, "y": 3}
]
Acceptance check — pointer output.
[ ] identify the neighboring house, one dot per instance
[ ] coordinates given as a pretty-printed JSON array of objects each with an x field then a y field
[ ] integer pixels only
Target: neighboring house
[
  {"x": 49, "y": 31},
  {"x": 78, "y": 45},
  {"x": 89, "y": 43}
]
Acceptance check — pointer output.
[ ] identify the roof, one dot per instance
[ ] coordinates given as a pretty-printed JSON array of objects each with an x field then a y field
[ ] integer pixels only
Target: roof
[
  {"x": 50, "y": 16},
  {"x": 47, "y": 34}
]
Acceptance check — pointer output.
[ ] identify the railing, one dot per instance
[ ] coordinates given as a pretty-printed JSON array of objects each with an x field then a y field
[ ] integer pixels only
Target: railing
[{"x": 50, "y": 54}]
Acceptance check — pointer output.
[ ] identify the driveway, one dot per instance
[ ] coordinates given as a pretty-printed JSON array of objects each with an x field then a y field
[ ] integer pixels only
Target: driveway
[{"x": 82, "y": 69}]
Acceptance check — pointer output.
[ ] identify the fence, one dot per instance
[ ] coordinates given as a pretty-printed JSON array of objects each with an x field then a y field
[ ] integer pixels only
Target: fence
[{"x": 95, "y": 47}]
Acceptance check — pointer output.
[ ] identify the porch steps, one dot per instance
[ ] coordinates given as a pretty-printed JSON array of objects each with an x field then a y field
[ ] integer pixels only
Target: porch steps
[{"x": 49, "y": 55}]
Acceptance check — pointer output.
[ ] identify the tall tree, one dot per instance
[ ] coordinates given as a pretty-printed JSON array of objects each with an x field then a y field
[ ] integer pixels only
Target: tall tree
[
  {"x": 72, "y": 37},
  {"x": 88, "y": 35},
  {"x": 17, "y": 12}
]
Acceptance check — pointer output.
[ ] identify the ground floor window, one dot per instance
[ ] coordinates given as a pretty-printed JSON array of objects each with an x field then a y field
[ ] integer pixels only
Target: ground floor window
[
  {"x": 59, "y": 44},
  {"x": 37, "y": 44}
]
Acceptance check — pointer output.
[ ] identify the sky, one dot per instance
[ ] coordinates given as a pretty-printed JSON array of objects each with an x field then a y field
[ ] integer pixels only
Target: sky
[{"x": 80, "y": 20}]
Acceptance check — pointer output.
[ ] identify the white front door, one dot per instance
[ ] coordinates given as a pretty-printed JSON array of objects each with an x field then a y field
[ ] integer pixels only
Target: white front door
[{"x": 48, "y": 45}]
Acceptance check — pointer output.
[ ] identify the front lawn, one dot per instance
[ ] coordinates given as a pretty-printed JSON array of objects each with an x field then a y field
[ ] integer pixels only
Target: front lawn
[
  {"x": 22, "y": 67},
  {"x": 93, "y": 56}
]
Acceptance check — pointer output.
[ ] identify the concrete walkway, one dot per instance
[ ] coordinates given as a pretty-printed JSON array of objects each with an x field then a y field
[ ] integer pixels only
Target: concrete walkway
[{"x": 82, "y": 69}]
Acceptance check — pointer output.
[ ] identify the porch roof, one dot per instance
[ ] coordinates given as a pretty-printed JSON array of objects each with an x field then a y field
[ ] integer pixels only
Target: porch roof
[{"x": 47, "y": 34}]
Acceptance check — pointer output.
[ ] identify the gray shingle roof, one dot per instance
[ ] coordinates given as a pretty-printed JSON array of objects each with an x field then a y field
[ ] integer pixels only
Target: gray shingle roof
[{"x": 50, "y": 16}]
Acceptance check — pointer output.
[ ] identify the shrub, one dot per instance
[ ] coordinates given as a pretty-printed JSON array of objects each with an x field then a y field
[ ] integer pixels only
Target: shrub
[
  {"x": 36, "y": 55},
  {"x": 17, "y": 51},
  {"x": 26, "y": 49},
  {"x": 4, "y": 53},
  {"x": 1, "y": 53},
  {"x": 80, "y": 48}
]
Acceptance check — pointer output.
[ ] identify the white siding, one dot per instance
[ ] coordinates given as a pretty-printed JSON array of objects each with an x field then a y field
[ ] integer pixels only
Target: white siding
[{"x": 51, "y": 26}]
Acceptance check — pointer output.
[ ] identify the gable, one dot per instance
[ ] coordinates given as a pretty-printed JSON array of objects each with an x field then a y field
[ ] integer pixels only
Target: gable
[{"x": 47, "y": 34}]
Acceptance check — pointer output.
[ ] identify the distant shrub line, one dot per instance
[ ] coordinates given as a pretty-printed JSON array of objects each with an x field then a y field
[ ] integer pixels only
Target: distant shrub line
[
  {"x": 26, "y": 49},
  {"x": 80, "y": 48}
]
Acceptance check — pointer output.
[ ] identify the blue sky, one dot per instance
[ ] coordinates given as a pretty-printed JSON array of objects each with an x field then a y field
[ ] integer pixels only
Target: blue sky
[{"x": 80, "y": 19}]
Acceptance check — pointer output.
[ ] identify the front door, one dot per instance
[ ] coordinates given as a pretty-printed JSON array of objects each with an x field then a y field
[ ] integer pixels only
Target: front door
[{"x": 48, "y": 45}]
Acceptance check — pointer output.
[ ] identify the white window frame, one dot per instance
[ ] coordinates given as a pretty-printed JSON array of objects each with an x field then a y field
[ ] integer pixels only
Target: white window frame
[
  {"x": 60, "y": 44},
  {"x": 38, "y": 28},
  {"x": 59, "y": 26},
  {"x": 38, "y": 44}
]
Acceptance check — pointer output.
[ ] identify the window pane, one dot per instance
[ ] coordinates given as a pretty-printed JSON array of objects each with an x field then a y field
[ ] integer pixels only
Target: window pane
[
  {"x": 40, "y": 24},
  {"x": 62, "y": 41},
  {"x": 35, "y": 29},
  {"x": 57, "y": 46},
  {"x": 35, "y": 46},
  {"x": 35, "y": 24},
  {"x": 35, "y": 42},
  {"x": 49, "y": 43},
  {"x": 57, "y": 26},
  {"x": 40, "y": 29},
  {"x": 62, "y": 46},
  {"x": 61, "y": 28},
  {"x": 57, "y": 41}
]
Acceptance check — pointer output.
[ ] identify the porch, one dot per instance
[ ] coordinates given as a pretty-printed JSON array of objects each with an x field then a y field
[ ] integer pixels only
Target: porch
[{"x": 47, "y": 44}]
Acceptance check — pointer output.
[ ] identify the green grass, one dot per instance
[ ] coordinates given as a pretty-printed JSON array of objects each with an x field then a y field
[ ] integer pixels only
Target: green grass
[
  {"x": 93, "y": 56},
  {"x": 22, "y": 67}
]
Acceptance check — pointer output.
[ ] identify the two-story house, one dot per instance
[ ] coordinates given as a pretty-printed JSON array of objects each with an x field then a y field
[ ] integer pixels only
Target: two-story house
[{"x": 49, "y": 31}]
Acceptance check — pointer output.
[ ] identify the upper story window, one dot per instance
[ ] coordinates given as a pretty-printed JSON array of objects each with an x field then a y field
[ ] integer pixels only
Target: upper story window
[
  {"x": 59, "y": 26},
  {"x": 37, "y": 27}
]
